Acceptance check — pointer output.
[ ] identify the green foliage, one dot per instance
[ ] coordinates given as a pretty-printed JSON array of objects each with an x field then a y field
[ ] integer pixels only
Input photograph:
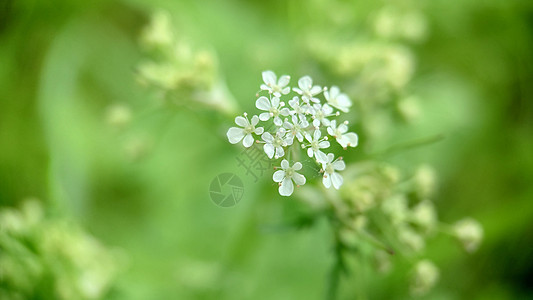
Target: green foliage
[{"x": 116, "y": 163}]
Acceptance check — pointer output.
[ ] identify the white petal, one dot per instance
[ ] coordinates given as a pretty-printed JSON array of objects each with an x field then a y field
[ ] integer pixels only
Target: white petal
[
  {"x": 336, "y": 179},
  {"x": 308, "y": 137},
  {"x": 285, "y": 111},
  {"x": 235, "y": 135},
  {"x": 343, "y": 141},
  {"x": 333, "y": 124},
  {"x": 286, "y": 90},
  {"x": 330, "y": 157},
  {"x": 259, "y": 130},
  {"x": 278, "y": 176},
  {"x": 309, "y": 152},
  {"x": 305, "y": 82},
  {"x": 339, "y": 165},
  {"x": 269, "y": 150},
  {"x": 264, "y": 116},
  {"x": 297, "y": 166},
  {"x": 321, "y": 156},
  {"x": 293, "y": 102},
  {"x": 326, "y": 180},
  {"x": 275, "y": 102},
  {"x": 269, "y": 77},
  {"x": 267, "y": 137},
  {"x": 286, "y": 187},
  {"x": 284, "y": 164},
  {"x": 316, "y": 135},
  {"x": 289, "y": 139},
  {"x": 327, "y": 109},
  {"x": 315, "y": 90},
  {"x": 254, "y": 120},
  {"x": 344, "y": 101},
  {"x": 241, "y": 121},
  {"x": 297, "y": 90},
  {"x": 333, "y": 92},
  {"x": 248, "y": 140},
  {"x": 298, "y": 178},
  {"x": 331, "y": 131},
  {"x": 342, "y": 128},
  {"x": 300, "y": 137},
  {"x": 279, "y": 152},
  {"x": 351, "y": 138},
  {"x": 277, "y": 121},
  {"x": 265, "y": 87},
  {"x": 262, "y": 103},
  {"x": 316, "y": 122},
  {"x": 288, "y": 125},
  {"x": 284, "y": 80},
  {"x": 323, "y": 144}
]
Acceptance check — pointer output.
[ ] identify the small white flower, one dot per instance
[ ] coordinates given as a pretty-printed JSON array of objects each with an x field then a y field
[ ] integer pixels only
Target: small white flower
[
  {"x": 337, "y": 99},
  {"x": 273, "y": 109},
  {"x": 307, "y": 90},
  {"x": 315, "y": 144},
  {"x": 297, "y": 109},
  {"x": 273, "y": 87},
  {"x": 296, "y": 128},
  {"x": 274, "y": 145},
  {"x": 236, "y": 134},
  {"x": 330, "y": 176},
  {"x": 286, "y": 176},
  {"x": 340, "y": 133},
  {"x": 320, "y": 112}
]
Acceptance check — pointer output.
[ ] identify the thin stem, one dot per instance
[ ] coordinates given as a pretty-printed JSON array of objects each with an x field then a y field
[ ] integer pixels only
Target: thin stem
[{"x": 334, "y": 275}]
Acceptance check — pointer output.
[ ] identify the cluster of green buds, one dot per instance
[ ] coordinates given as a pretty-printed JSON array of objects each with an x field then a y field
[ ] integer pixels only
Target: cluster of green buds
[
  {"x": 376, "y": 65},
  {"x": 50, "y": 258},
  {"x": 183, "y": 75},
  {"x": 380, "y": 208}
]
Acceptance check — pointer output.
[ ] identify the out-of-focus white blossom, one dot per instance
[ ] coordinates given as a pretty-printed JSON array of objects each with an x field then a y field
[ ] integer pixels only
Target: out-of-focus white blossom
[
  {"x": 425, "y": 180},
  {"x": 425, "y": 276},
  {"x": 424, "y": 215},
  {"x": 470, "y": 233}
]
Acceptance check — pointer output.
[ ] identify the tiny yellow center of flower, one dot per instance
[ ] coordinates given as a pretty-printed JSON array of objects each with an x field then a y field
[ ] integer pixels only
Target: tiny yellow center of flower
[
  {"x": 277, "y": 142},
  {"x": 329, "y": 169},
  {"x": 289, "y": 172},
  {"x": 249, "y": 129}
]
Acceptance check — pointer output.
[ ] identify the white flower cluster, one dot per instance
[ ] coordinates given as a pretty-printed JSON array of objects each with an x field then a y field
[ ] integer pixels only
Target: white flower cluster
[{"x": 307, "y": 122}]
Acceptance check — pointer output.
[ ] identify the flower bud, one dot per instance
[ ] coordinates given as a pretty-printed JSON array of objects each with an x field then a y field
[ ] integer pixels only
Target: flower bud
[
  {"x": 425, "y": 181},
  {"x": 470, "y": 233},
  {"x": 424, "y": 215},
  {"x": 424, "y": 278}
]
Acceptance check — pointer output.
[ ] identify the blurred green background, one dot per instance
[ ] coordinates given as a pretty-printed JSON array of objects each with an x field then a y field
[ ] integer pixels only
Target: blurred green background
[{"x": 63, "y": 64}]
